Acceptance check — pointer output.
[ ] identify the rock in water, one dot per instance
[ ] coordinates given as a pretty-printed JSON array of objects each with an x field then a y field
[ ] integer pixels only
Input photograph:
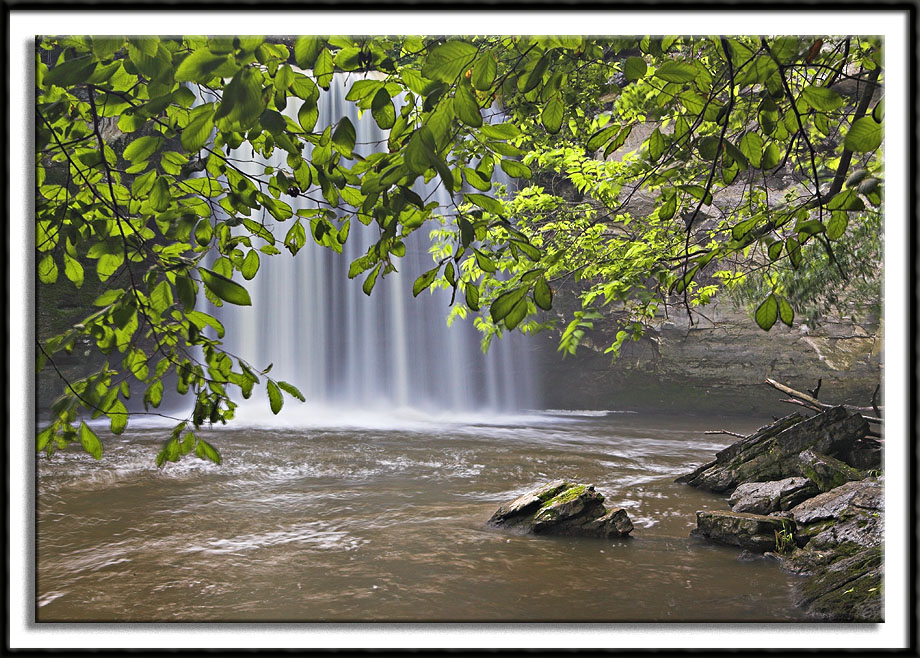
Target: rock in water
[
  {"x": 773, "y": 496},
  {"x": 750, "y": 531},
  {"x": 563, "y": 508},
  {"x": 773, "y": 452}
]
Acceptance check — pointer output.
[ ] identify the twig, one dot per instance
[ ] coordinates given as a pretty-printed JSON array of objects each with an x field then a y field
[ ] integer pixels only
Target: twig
[{"x": 740, "y": 436}]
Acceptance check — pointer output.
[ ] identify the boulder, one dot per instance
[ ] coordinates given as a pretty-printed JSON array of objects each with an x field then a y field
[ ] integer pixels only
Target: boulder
[
  {"x": 563, "y": 508},
  {"x": 772, "y": 452},
  {"x": 825, "y": 471},
  {"x": 772, "y": 496},
  {"x": 755, "y": 532},
  {"x": 850, "y": 513}
]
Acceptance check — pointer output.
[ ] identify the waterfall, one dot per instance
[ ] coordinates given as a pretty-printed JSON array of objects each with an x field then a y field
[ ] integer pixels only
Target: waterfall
[{"x": 348, "y": 352}]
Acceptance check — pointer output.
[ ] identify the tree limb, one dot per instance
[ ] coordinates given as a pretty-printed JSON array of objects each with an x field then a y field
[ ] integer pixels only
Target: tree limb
[{"x": 806, "y": 400}]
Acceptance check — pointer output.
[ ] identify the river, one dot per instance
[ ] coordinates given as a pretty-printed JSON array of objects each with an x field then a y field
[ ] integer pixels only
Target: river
[{"x": 370, "y": 519}]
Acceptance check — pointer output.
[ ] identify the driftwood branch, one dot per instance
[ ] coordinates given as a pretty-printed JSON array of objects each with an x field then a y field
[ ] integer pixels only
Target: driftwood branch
[
  {"x": 740, "y": 436},
  {"x": 805, "y": 400}
]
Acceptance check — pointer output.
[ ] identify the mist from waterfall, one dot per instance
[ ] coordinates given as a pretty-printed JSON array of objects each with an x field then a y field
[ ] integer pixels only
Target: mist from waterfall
[{"x": 351, "y": 354}]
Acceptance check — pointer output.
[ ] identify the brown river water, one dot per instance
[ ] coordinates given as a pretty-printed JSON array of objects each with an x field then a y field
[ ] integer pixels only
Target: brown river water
[{"x": 388, "y": 524}]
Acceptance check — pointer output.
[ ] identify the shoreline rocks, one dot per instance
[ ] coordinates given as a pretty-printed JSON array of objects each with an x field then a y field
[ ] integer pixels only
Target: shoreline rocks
[
  {"x": 808, "y": 492},
  {"x": 563, "y": 508}
]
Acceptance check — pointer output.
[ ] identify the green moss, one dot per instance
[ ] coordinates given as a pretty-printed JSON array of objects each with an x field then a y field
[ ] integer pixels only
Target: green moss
[
  {"x": 565, "y": 496},
  {"x": 551, "y": 493}
]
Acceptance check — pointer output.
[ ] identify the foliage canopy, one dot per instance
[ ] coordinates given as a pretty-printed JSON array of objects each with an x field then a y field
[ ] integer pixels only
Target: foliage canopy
[{"x": 139, "y": 180}]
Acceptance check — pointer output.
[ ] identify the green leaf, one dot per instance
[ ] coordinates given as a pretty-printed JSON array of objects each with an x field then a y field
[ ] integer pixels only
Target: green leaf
[
  {"x": 224, "y": 288},
  {"x": 770, "y": 156},
  {"x": 667, "y": 209},
  {"x": 864, "y": 135},
  {"x": 677, "y": 72},
  {"x": 505, "y": 302},
  {"x": 786, "y": 314},
  {"x": 371, "y": 279},
  {"x": 291, "y": 390},
  {"x": 307, "y": 115},
  {"x": 363, "y": 88},
  {"x": 618, "y": 141},
  {"x": 242, "y": 102},
  {"x": 90, "y": 441},
  {"x": 250, "y": 264},
  {"x": 476, "y": 180},
  {"x": 487, "y": 203},
  {"x": 306, "y": 48},
  {"x": 500, "y": 131},
  {"x": 324, "y": 68},
  {"x": 542, "y": 294},
  {"x": 466, "y": 107},
  {"x": 751, "y": 145},
  {"x": 552, "y": 115},
  {"x": 118, "y": 415},
  {"x": 822, "y": 98},
  {"x": 142, "y": 148},
  {"x": 200, "y": 66},
  {"x": 382, "y": 110},
  {"x": 515, "y": 169},
  {"x": 535, "y": 76},
  {"x": 878, "y": 112},
  {"x": 47, "y": 269},
  {"x": 274, "y": 397},
  {"x": 344, "y": 137},
  {"x": 485, "y": 263},
  {"x": 601, "y": 137},
  {"x": 766, "y": 313},
  {"x": 484, "y": 71},
  {"x": 775, "y": 250},
  {"x": 516, "y": 314},
  {"x": 794, "y": 249},
  {"x": 196, "y": 134},
  {"x": 71, "y": 72},
  {"x": 837, "y": 225},
  {"x": 635, "y": 68},
  {"x": 448, "y": 60},
  {"x": 656, "y": 145},
  {"x": 206, "y": 187},
  {"x": 73, "y": 270},
  {"x": 424, "y": 281},
  {"x": 205, "y": 450},
  {"x": 472, "y": 296}
]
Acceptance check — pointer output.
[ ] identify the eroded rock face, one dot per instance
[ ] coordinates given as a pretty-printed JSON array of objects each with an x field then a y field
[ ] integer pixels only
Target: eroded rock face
[
  {"x": 563, "y": 508},
  {"x": 773, "y": 496},
  {"x": 825, "y": 471},
  {"x": 773, "y": 452},
  {"x": 757, "y": 532}
]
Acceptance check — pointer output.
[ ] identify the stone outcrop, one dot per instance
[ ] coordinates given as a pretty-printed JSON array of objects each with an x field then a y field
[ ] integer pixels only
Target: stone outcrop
[
  {"x": 563, "y": 508},
  {"x": 826, "y": 472},
  {"x": 794, "y": 496},
  {"x": 775, "y": 451},
  {"x": 751, "y": 531},
  {"x": 773, "y": 496}
]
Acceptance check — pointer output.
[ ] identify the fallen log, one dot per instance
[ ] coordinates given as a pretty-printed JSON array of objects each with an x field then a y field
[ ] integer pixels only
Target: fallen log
[{"x": 814, "y": 404}]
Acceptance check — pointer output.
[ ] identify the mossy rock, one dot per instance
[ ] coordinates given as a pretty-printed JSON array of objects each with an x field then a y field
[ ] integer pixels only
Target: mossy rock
[{"x": 563, "y": 508}]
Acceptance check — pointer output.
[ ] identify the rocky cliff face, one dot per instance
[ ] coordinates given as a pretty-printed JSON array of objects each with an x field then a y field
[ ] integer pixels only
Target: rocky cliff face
[{"x": 717, "y": 364}]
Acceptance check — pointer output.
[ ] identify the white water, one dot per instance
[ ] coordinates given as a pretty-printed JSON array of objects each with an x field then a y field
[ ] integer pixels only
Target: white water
[{"x": 356, "y": 356}]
